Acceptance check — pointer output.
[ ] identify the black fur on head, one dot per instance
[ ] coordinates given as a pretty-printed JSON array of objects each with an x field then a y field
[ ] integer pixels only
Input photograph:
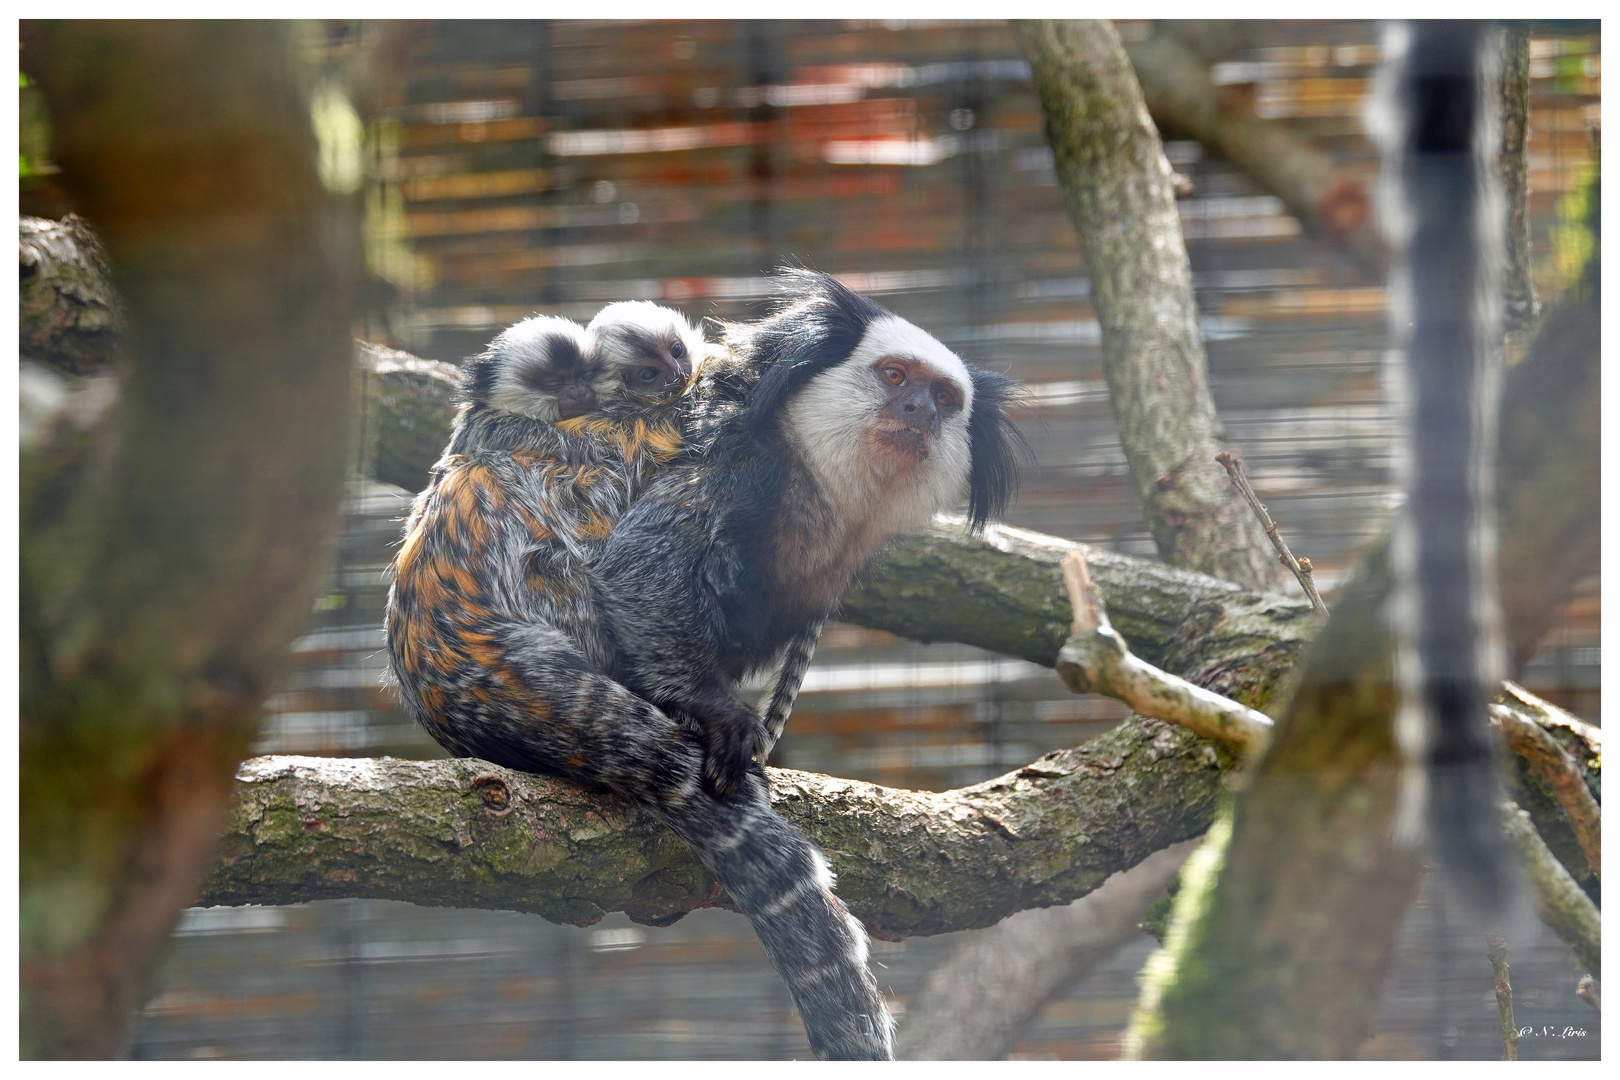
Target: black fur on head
[
  {"x": 536, "y": 354},
  {"x": 816, "y": 325},
  {"x": 999, "y": 448},
  {"x": 478, "y": 376}
]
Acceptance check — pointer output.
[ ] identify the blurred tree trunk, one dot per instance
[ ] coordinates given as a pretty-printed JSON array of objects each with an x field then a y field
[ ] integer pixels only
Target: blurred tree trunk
[
  {"x": 171, "y": 542},
  {"x": 1119, "y": 190},
  {"x": 1296, "y": 925},
  {"x": 1284, "y": 931},
  {"x": 1547, "y": 479}
]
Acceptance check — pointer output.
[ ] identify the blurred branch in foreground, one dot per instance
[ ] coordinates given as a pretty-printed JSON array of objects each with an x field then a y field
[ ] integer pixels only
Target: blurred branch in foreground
[{"x": 172, "y": 534}]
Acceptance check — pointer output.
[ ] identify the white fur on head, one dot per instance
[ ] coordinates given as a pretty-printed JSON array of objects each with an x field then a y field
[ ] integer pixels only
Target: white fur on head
[
  {"x": 874, "y": 490},
  {"x": 538, "y": 344},
  {"x": 642, "y": 313},
  {"x": 893, "y": 336},
  {"x": 622, "y": 331}
]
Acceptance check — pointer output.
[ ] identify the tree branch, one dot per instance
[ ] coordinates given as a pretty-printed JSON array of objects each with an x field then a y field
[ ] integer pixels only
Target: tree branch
[
  {"x": 406, "y": 407},
  {"x": 1300, "y": 568},
  {"x": 1496, "y": 947},
  {"x": 68, "y": 315},
  {"x": 1118, "y": 188},
  {"x": 1559, "y": 901},
  {"x": 1176, "y": 84},
  {"x": 1519, "y": 307},
  {"x": 1279, "y": 947},
  {"x": 908, "y": 862},
  {"x": 1547, "y": 478},
  {"x": 1531, "y": 742},
  {"x": 973, "y": 1004},
  {"x": 1583, "y": 743},
  {"x": 1004, "y": 591}
]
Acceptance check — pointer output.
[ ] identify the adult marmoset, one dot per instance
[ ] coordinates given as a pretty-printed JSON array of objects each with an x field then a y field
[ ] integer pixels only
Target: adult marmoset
[{"x": 860, "y": 427}]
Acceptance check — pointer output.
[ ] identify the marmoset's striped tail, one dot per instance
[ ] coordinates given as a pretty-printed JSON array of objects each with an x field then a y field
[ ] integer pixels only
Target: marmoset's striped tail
[
  {"x": 776, "y": 709},
  {"x": 784, "y": 886},
  {"x": 1445, "y": 214}
]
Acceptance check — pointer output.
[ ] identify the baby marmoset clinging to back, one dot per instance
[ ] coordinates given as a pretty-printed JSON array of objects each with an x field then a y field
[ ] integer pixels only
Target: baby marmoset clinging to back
[{"x": 561, "y": 428}]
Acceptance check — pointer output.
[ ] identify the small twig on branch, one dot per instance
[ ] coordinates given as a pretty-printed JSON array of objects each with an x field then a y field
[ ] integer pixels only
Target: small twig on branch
[
  {"x": 1301, "y": 567},
  {"x": 1560, "y": 903},
  {"x": 1587, "y": 991},
  {"x": 1096, "y": 659},
  {"x": 1553, "y": 764},
  {"x": 1496, "y": 945}
]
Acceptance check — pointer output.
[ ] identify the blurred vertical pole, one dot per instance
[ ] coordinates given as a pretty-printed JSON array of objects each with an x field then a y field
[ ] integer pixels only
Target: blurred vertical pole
[{"x": 169, "y": 553}]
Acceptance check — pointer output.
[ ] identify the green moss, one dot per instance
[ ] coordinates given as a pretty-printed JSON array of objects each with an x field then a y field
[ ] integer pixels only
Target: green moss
[{"x": 1176, "y": 971}]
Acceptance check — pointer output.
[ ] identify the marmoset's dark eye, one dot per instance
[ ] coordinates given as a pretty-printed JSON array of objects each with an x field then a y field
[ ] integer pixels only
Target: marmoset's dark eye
[
  {"x": 677, "y": 350},
  {"x": 649, "y": 374}
]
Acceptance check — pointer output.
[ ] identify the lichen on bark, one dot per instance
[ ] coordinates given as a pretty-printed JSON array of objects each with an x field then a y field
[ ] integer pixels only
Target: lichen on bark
[{"x": 908, "y": 862}]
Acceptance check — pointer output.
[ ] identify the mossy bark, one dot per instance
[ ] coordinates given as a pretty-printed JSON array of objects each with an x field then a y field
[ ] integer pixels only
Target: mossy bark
[
  {"x": 68, "y": 315},
  {"x": 1279, "y": 951},
  {"x": 1004, "y": 591},
  {"x": 464, "y": 833},
  {"x": 171, "y": 544},
  {"x": 908, "y": 862}
]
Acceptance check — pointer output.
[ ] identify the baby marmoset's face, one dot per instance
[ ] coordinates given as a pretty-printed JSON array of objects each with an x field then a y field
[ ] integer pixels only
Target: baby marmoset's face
[
  {"x": 651, "y": 350},
  {"x": 551, "y": 369}
]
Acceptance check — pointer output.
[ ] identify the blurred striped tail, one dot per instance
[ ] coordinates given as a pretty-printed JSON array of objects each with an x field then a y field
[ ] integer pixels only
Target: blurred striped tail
[{"x": 1448, "y": 213}]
